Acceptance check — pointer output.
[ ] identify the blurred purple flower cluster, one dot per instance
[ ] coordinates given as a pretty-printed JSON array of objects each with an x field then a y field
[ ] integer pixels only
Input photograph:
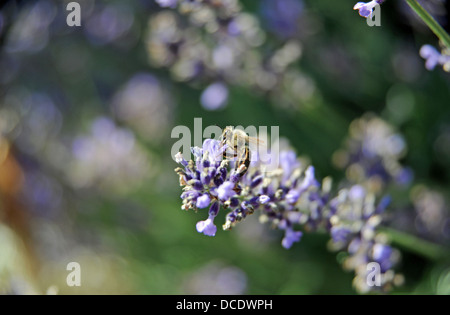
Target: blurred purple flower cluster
[
  {"x": 108, "y": 158},
  {"x": 217, "y": 44},
  {"x": 288, "y": 198},
  {"x": 282, "y": 17},
  {"x": 427, "y": 215},
  {"x": 432, "y": 214},
  {"x": 372, "y": 153},
  {"x": 433, "y": 57}
]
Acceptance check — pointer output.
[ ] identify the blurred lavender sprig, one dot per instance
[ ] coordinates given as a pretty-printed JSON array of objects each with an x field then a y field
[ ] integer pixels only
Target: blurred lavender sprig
[
  {"x": 282, "y": 17},
  {"x": 108, "y": 158},
  {"x": 291, "y": 199},
  {"x": 426, "y": 216},
  {"x": 217, "y": 44},
  {"x": 433, "y": 57},
  {"x": 372, "y": 153},
  {"x": 371, "y": 158}
]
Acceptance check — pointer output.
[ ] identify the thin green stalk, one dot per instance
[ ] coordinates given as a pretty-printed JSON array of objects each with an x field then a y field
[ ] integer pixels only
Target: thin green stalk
[
  {"x": 430, "y": 22},
  {"x": 414, "y": 244}
]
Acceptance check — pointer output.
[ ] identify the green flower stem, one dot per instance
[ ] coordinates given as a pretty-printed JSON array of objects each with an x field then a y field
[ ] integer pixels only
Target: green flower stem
[
  {"x": 430, "y": 22},
  {"x": 414, "y": 244}
]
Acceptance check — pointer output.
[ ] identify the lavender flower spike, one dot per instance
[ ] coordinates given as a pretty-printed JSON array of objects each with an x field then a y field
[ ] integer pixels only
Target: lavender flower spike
[
  {"x": 290, "y": 199},
  {"x": 366, "y": 8}
]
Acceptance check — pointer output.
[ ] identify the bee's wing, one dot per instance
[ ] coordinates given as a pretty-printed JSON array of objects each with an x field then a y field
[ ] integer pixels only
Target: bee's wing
[{"x": 254, "y": 140}]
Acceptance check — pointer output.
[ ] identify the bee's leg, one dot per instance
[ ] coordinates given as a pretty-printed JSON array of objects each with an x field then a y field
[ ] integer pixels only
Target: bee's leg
[
  {"x": 239, "y": 161},
  {"x": 243, "y": 163}
]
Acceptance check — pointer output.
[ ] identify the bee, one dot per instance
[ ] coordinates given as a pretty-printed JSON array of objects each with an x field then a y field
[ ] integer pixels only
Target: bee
[{"x": 238, "y": 142}]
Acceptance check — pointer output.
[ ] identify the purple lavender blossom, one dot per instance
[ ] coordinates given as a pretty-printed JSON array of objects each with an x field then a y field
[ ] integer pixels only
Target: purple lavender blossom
[
  {"x": 207, "y": 227},
  {"x": 433, "y": 57},
  {"x": 226, "y": 191},
  {"x": 340, "y": 234},
  {"x": 203, "y": 201},
  {"x": 382, "y": 254},
  {"x": 366, "y": 8},
  {"x": 356, "y": 192},
  {"x": 288, "y": 163},
  {"x": 290, "y": 238},
  {"x": 264, "y": 199},
  {"x": 309, "y": 180}
]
